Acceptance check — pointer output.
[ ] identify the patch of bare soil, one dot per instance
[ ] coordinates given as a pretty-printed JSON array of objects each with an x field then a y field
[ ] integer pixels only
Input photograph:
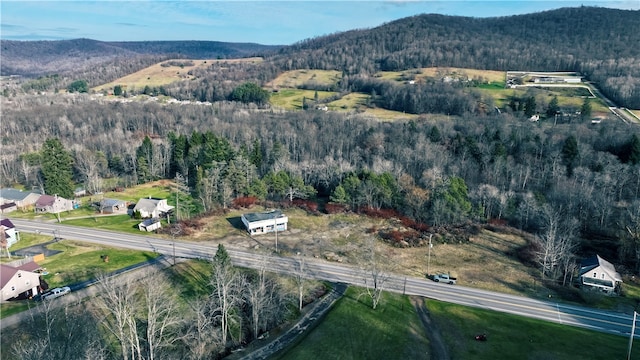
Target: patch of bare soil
[{"x": 439, "y": 349}]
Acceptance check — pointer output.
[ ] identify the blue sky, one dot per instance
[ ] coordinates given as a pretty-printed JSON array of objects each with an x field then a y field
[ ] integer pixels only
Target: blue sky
[{"x": 264, "y": 22}]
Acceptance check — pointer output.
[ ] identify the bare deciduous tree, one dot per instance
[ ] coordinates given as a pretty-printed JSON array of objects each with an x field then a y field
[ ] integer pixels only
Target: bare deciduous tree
[
  {"x": 557, "y": 243},
  {"x": 226, "y": 294},
  {"x": 375, "y": 277}
]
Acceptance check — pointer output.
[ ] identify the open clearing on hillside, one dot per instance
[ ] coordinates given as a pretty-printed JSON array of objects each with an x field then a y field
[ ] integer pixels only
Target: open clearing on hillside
[
  {"x": 296, "y": 78},
  {"x": 164, "y": 73}
]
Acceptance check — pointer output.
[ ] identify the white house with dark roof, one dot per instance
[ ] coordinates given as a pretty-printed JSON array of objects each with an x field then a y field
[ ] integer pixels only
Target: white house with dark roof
[
  {"x": 265, "y": 222},
  {"x": 21, "y": 198},
  {"x": 599, "y": 274},
  {"x": 152, "y": 208},
  {"x": 11, "y": 235},
  {"x": 150, "y": 225}
]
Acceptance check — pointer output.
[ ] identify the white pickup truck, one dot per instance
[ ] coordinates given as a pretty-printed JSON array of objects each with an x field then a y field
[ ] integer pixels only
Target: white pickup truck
[
  {"x": 56, "y": 293},
  {"x": 445, "y": 278}
]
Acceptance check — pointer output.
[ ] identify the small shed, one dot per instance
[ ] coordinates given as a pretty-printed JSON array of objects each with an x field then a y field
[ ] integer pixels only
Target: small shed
[
  {"x": 113, "y": 206},
  {"x": 150, "y": 225}
]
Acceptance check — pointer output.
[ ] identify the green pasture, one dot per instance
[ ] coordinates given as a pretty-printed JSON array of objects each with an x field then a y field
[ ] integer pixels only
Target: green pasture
[
  {"x": 515, "y": 337},
  {"x": 292, "y": 98},
  {"x": 352, "y": 330},
  {"x": 349, "y": 102}
]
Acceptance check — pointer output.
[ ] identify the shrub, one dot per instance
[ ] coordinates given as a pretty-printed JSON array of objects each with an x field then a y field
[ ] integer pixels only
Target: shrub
[{"x": 245, "y": 201}]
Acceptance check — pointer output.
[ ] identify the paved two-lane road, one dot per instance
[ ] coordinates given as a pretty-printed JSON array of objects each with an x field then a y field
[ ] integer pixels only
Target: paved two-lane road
[{"x": 599, "y": 320}]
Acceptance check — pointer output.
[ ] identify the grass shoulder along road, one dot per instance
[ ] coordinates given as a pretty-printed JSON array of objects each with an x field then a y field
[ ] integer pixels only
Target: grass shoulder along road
[
  {"x": 352, "y": 330},
  {"x": 516, "y": 337}
]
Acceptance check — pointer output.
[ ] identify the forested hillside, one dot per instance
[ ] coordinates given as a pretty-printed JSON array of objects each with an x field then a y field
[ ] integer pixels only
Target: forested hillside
[
  {"x": 594, "y": 41},
  {"x": 53, "y": 65}
]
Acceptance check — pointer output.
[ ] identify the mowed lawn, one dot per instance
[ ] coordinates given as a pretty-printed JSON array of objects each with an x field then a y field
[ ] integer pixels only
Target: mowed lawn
[
  {"x": 515, "y": 337},
  {"x": 352, "y": 330}
]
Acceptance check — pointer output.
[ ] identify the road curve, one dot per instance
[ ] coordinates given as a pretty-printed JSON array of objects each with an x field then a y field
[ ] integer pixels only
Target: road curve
[{"x": 594, "y": 319}]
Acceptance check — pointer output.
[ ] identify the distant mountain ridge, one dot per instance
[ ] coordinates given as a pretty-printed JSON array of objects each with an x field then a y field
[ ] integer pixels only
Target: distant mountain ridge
[{"x": 32, "y": 58}]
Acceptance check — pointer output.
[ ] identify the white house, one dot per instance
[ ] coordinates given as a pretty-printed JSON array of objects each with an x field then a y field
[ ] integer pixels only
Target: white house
[
  {"x": 265, "y": 222},
  {"x": 599, "y": 274},
  {"x": 152, "y": 208},
  {"x": 10, "y": 234},
  {"x": 16, "y": 281}
]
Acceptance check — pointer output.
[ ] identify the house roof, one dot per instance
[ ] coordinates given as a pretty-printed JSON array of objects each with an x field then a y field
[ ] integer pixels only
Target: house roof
[
  {"x": 14, "y": 194},
  {"x": 267, "y": 215},
  {"x": 595, "y": 261},
  {"x": 112, "y": 202},
  {"x": 46, "y": 200},
  {"x": 6, "y": 273},
  {"x": 149, "y": 222},
  {"x": 150, "y": 204},
  {"x": 7, "y": 223},
  {"x": 7, "y": 205},
  {"x": 29, "y": 266}
]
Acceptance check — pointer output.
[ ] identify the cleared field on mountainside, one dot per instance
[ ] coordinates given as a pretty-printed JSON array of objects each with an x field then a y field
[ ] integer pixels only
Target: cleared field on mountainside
[{"x": 164, "y": 73}]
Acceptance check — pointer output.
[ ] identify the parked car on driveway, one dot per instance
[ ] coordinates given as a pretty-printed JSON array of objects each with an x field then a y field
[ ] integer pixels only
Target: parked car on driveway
[{"x": 56, "y": 293}]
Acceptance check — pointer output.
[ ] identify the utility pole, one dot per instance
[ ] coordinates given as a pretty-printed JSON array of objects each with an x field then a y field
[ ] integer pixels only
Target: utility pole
[
  {"x": 429, "y": 257},
  {"x": 633, "y": 330},
  {"x": 275, "y": 227}
]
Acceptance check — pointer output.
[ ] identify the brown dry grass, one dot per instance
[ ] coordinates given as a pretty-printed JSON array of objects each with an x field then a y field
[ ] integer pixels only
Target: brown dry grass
[
  {"x": 485, "y": 261},
  {"x": 158, "y": 75},
  {"x": 295, "y": 78}
]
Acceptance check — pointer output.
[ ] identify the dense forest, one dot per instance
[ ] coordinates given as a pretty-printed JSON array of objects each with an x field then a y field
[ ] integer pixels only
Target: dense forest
[{"x": 574, "y": 183}]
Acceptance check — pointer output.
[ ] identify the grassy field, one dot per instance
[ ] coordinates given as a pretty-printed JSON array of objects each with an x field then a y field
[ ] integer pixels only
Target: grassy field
[
  {"x": 123, "y": 223},
  {"x": 296, "y": 78},
  {"x": 514, "y": 337},
  {"x": 79, "y": 262},
  {"x": 352, "y": 330},
  {"x": 158, "y": 75},
  {"x": 291, "y": 99}
]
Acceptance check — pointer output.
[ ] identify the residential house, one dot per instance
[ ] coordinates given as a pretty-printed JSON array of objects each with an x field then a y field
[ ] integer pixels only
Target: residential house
[
  {"x": 10, "y": 234},
  {"x": 53, "y": 204},
  {"x": 599, "y": 274},
  {"x": 8, "y": 207},
  {"x": 22, "y": 199},
  {"x": 152, "y": 208},
  {"x": 265, "y": 222},
  {"x": 113, "y": 206},
  {"x": 150, "y": 224},
  {"x": 21, "y": 281}
]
